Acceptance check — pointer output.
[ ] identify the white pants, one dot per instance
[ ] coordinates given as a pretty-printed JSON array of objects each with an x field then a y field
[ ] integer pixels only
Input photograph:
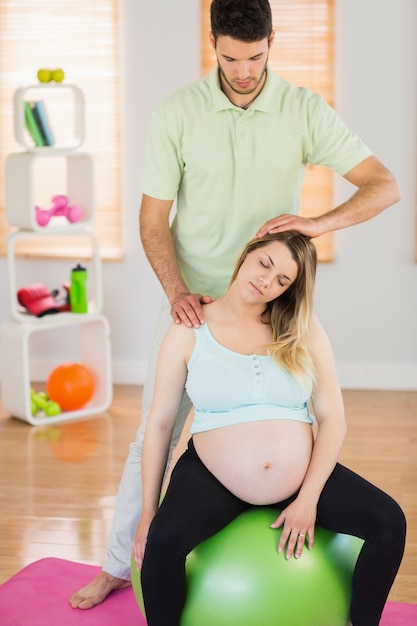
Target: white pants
[{"x": 128, "y": 507}]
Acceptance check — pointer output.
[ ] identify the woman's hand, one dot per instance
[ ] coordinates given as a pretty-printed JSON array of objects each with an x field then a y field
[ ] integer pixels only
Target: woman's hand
[
  {"x": 139, "y": 542},
  {"x": 298, "y": 521}
]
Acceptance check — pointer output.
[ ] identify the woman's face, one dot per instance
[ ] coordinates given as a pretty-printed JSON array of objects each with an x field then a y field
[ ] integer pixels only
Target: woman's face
[{"x": 267, "y": 272}]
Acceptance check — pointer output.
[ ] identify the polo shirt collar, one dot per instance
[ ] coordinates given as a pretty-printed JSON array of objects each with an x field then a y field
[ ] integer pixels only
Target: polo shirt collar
[{"x": 266, "y": 101}]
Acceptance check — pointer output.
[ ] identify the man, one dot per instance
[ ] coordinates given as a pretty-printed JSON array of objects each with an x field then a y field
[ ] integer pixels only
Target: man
[{"x": 231, "y": 149}]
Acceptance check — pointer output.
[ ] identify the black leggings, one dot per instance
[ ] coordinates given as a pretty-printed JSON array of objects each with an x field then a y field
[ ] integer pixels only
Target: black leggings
[{"x": 197, "y": 506}]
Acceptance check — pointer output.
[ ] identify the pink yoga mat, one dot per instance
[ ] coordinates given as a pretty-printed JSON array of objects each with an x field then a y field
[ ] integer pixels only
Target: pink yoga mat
[{"x": 38, "y": 596}]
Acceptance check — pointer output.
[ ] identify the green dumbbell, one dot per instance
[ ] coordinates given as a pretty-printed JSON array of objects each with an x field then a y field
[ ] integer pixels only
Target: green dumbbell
[{"x": 40, "y": 402}]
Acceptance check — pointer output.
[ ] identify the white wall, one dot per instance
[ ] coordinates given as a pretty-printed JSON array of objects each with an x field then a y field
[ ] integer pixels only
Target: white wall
[{"x": 367, "y": 298}]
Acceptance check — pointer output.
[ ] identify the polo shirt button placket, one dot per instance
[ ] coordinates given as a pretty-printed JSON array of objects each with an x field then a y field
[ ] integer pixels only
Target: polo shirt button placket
[{"x": 241, "y": 134}]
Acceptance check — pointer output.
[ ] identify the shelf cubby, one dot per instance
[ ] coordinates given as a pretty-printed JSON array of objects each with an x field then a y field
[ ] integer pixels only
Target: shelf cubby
[
  {"x": 66, "y": 113},
  {"x": 90, "y": 345},
  {"x": 21, "y": 199}
]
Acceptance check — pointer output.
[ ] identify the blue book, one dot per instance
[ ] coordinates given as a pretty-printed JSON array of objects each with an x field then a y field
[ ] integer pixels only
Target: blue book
[{"x": 39, "y": 112}]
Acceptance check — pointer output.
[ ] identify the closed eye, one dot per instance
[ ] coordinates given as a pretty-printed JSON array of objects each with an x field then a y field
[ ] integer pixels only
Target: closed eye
[
  {"x": 281, "y": 282},
  {"x": 284, "y": 281}
]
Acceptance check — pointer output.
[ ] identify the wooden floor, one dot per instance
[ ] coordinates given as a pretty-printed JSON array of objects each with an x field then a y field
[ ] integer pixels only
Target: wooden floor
[{"x": 58, "y": 483}]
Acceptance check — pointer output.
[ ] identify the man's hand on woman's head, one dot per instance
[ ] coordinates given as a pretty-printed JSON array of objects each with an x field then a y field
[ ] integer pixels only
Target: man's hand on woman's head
[{"x": 308, "y": 226}]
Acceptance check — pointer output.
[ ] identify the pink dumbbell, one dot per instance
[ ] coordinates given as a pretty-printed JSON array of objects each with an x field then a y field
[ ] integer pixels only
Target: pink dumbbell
[{"x": 59, "y": 206}]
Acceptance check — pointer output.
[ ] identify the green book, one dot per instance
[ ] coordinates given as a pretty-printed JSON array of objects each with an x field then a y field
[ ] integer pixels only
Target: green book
[
  {"x": 42, "y": 121},
  {"x": 32, "y": 126}
]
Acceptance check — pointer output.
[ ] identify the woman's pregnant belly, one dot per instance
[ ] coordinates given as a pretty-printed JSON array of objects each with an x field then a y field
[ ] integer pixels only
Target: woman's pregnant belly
[{"x": 260, "y": 462}]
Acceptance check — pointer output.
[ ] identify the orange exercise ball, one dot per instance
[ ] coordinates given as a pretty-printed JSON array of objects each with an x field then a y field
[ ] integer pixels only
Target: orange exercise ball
[{"x": 71, "y": 385}]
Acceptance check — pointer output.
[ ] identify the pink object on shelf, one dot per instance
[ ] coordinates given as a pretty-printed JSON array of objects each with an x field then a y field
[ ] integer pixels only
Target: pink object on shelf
[{"x": 60, "y": 207}]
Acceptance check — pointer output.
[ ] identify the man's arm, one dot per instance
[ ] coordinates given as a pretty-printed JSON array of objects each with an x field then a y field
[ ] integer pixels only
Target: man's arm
[
  {"x": 377, "y": 190},
  {"x": 159, "y": 248}
]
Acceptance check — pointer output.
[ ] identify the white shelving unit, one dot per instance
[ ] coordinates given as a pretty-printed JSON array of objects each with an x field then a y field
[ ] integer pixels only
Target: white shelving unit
[{"x": 90, "y": 332}]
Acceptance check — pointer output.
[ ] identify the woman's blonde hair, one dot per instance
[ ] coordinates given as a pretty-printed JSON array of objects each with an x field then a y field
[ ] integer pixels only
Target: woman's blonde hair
[{"x": 290, "y": 314}]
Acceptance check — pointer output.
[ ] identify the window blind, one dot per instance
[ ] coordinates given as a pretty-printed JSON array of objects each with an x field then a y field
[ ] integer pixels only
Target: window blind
[
  {"x": 303, "y": 53},
  {"x": 81, "y": 37}
]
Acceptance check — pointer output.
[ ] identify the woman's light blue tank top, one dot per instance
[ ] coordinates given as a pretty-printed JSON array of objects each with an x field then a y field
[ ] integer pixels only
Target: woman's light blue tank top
[{"x": 228, "y": 388}]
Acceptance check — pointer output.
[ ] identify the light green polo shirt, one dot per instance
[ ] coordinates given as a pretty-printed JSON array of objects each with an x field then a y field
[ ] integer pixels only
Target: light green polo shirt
[{"x": 233, "y": 169}]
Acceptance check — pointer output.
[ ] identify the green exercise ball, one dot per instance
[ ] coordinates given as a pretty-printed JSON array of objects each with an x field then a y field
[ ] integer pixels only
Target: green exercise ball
[{"x": 237, "y": 577}]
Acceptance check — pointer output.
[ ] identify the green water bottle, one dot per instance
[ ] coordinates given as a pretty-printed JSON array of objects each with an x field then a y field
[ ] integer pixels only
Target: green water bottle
[{"x": 78, "y": 289}]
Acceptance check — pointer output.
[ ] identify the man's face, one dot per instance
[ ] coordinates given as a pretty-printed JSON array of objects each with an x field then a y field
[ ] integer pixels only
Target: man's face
[{"x": 242, "y": 65}]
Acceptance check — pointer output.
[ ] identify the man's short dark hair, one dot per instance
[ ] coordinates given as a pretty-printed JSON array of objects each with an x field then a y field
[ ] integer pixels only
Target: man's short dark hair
[{"x": 244, "y": 20}]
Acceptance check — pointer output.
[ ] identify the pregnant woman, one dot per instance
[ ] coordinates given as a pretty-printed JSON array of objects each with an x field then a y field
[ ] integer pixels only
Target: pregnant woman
[{"x": 253, "y": 371}]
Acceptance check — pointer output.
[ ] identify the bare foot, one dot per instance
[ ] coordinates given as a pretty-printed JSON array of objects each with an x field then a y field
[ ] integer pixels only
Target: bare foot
[{"x": 97, "y": 590}]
